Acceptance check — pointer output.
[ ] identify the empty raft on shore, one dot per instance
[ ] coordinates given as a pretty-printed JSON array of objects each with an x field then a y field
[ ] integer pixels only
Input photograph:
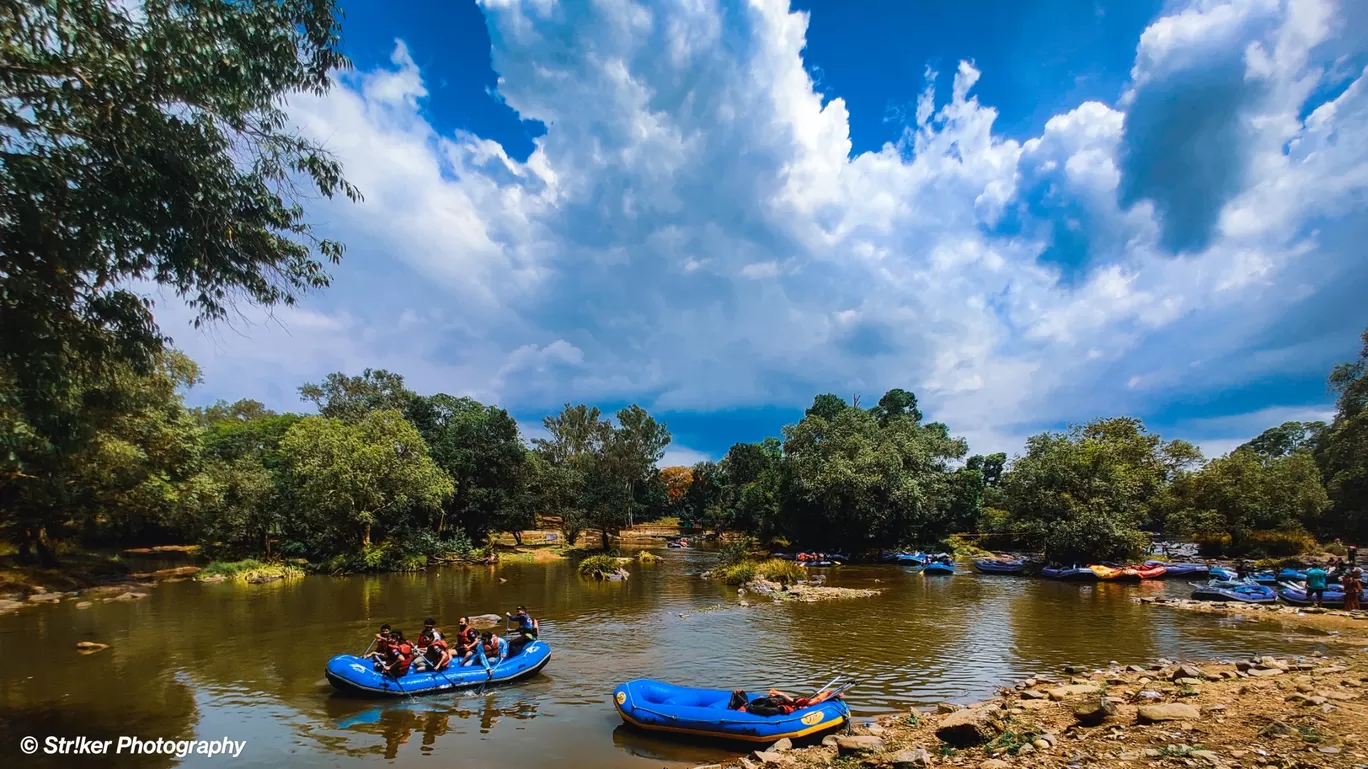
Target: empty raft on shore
[
  {"x": 680, "y": 710},
  {"x": 1296, "y": 595},
  {"x": 1180, "y": 569},
  {"x": 354, "y": 675},
  {"x": 1072, "y": 573},
  {"x": 1240, "y": 592},
  {"x": 992, "y": 566}
]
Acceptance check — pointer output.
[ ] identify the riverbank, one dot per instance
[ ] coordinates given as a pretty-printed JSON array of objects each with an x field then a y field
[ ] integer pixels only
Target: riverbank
[
  {"x": 1269, "y": 712},
  {"x": 1346, "y": 627}
]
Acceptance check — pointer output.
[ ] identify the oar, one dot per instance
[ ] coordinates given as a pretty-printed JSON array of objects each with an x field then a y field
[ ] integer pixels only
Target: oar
[
  {"x": 368, "y": 648},
  {"x": 401, "y": 686}
]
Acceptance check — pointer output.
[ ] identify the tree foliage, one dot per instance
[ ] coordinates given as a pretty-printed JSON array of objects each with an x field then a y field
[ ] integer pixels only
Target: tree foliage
[{"x": 1343, "y": 450}]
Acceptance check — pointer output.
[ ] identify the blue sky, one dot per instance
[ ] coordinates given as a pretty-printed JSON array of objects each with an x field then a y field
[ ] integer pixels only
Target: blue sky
[{"x": 1029, "y": 214}]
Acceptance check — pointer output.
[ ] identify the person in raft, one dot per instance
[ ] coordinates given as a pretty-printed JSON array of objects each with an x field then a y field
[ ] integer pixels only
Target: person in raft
[
  {"x": 401, "y": 656},
  {"x": 466, "y": 642},
  {"x": 527, "y": 631},
  {"x": 1353, "y": 588},
  {"x": 381, "y": 645},
  {"x": 433, "y": 646},
  {"x": 1315, "y": 585},
  {"x": 492, "y": 646}
]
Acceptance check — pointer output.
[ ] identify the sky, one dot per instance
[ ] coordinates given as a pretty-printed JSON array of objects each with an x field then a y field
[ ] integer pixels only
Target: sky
[{"x": 1029, "y": 214}]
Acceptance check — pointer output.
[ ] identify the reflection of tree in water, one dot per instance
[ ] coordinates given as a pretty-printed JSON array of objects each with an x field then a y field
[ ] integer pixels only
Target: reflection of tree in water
[{"x": 396, "y": 723}]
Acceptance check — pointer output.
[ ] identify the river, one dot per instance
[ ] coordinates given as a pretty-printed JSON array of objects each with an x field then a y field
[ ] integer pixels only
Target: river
[{"x": 208, "y": 661}]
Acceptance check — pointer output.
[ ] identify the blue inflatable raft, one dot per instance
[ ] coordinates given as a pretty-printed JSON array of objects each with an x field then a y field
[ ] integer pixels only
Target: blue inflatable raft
[
  {"x": 938, "y": 568},
  {"x": 988, "y": 566},
  {"x": 1296, "y": 595},
  {"x": 1242, "y": 592},
  {"x": 1181, "y": 569},
  {"x": 353, "y": 675},
  {"x": 1221, "y": 573},
  {"x": 1076, "y": 573},
  {"x": 660, "y": 707}
]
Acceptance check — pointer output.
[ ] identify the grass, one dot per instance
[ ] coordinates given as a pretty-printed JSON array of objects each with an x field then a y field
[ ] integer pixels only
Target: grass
[
  {"x": 1011, "y": 741},
  {"x": 774, "y": 570},
  {"x": 647, "y": 558},
  {"x": 600, "y": 565},
  {"x": 249, "y": 570},
  {"x": 959, "y": 547}
]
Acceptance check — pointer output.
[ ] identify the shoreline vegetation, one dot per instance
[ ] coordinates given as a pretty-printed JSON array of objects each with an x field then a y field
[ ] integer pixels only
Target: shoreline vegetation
[
  {"x": 1275, "y": 712},
  {"x": 384, "y": 479}
]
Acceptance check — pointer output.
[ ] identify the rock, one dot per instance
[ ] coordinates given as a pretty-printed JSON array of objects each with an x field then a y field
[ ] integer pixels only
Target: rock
[
  {"x": 1173, "y": 711},
  {"x": 1272, "y": 662},
  {"x": 1151, "y": 753},
  {"x": 994, "y": 763},
  {"x": 1217, "y": 707},
  {"x": 1186, "y": 671},
  {"x": 1036, "y": 704},
  {"x": 782, "y": 746},
  {"x": 1074, "y": 669},
  {"x": 44, "y": 598},
  {"x": 1041, "y": 744},
  {"x": 485, "y": 621},
  {"x": 1033, "y": 694},
  {"x": 126, "y": 597},
  {"x": 1064, "y": 692},
  {"x": 1024, "y": 749},
  {"x": 1277, "y": 729},
  {"x": 852, "y": 746},
  {"x": 90, "y": 647},
  {"x": 1244, "y": 666},
  {"x": 875, "y": 730},
  {"x": 917, "y": 758},
  {"x": 1264, "y": 672},
  {"x": 966, "y": 728},
  {"x": 829, "y": 741},
  {"x": 83, "y": 604},
  {"x": 1334, "y": 695},
  {"x": 946, "y": 707},
  {"x": 772, "y": 759},
  {"x": 1136, "y": 668},
  {"x": 1187, "y": 681},
  {"x": 1329, "y": 750},
  {"x": 1207, "y": 755},
  {"x": 1143, "y": 680},
  {"x": 1094, "y": 712}
]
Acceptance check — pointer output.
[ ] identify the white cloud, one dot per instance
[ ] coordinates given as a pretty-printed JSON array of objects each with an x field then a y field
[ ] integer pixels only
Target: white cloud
[{"x": 692, "y": 232}]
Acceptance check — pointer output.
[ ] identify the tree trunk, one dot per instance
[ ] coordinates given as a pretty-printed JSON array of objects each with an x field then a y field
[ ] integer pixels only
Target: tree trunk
[
  {"x": 46, "y": 558},
  {"x": 603, "y": 532},
  {"x": 266, "y": 543},
  {"x": 365, "y": 535},
  {"x": 517, "y": 538}
]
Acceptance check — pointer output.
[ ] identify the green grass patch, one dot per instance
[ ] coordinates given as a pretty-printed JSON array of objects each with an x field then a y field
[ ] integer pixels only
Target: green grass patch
[
  {"x": 647, "y": 558},
  {"x": 781, "y": 571},
  {"x": 735, "y": 574},
  {"x": 600, "y": 565},
  {"x": 249, "y": 570}
]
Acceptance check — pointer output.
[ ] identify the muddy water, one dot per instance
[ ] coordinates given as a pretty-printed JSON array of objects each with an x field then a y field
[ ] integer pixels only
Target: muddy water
[{"x": 246, "y": 662}]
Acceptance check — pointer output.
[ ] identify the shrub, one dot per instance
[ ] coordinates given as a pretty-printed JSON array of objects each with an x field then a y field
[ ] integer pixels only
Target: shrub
[
  {"x": 646, "y": 557},
  {"x": 735, "y": 574},
  {"x": 1279, "y": 543},
  {"x": 599, "y": 565},
  {"x": 781, "y": 571},
  {"x": 249, "y": 570},
  {"x": 736, "y": 552}
]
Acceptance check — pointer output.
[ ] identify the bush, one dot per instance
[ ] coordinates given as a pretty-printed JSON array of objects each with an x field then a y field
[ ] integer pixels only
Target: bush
[
  {"x": 735, "y": 574},
  {"x": 646, "y": 557},
  {"x": 1279, "y": 543},
  {"x": 599, "y": 565},
  {"x": 781, "y": 571},
  {"x": 249, "y": 570},
  {"x": 736, "y": 552}
]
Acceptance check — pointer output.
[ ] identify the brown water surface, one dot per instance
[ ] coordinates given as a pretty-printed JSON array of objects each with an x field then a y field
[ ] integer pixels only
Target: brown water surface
[{"x": 197, "y": 661}]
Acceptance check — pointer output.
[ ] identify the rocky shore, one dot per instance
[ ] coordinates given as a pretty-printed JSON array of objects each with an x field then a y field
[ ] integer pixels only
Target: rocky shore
[
  {"x": 1264, "y": 713},
  {"x": 806, "y": 592},
  {"x": 1340, "y": 626}
]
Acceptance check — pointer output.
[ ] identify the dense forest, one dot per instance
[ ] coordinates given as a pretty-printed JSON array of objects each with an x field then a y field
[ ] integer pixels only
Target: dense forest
[{"x": 155, "y": 152}]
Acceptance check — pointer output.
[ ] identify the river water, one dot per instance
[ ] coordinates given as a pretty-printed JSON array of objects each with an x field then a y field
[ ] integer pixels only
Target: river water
[{"x": 197, "y": 661}]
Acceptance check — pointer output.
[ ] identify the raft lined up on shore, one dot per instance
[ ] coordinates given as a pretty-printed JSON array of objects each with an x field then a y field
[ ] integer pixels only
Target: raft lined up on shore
[{"x": 656, "y": 706}]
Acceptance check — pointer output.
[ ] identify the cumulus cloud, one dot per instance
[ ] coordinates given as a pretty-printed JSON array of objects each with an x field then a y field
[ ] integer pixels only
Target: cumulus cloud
[{"x": 692, "y": 232}]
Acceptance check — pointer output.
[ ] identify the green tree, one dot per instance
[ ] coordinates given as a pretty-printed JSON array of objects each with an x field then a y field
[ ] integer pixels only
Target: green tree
[
  {"x": 480, "y": 447},
  {"x": 148, "y": 147},
  {"x": 753, "y": 495},
  {"x": 357, "y": 483},
  {"x": 703, "y": 502},
  {"x": 137, "y": 475},
  {"x": 637, "y": 444},
  {"x": 826, "y": 406},
  {"x": 1286, "y": 438},
  {"x": 1246, "y": 492},
  {"x": 897, "y": 403},
  {"x": 1083, "y": 495},
  {"x": 350, "y": 398},
  {"x": 1343, "y": 451}
]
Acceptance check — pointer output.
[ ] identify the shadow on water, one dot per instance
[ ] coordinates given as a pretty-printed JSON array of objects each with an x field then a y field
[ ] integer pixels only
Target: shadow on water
[{"x": 245, "y": 662}]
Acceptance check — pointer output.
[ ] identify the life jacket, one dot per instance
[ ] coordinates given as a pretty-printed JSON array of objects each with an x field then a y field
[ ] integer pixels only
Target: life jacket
[
  {"x": 428, "y": 638},
  {"x": 403, "y": 656},
  {"x": 466, "y": 637},
  {"x": 525, "y": 623},
  {"x": 383, "y": 646},
  {"x": 768, "y": 706}
]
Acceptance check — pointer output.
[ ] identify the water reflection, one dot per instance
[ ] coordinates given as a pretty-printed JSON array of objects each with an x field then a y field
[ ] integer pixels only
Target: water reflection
[{"x": 245, "y": 662}]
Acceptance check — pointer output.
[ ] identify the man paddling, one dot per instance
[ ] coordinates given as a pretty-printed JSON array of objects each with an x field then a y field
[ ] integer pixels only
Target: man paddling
[
  {"x": 466, "y": 641},
  {"x": 527, "y": 631},
  {"x": 492, "y": 646}
]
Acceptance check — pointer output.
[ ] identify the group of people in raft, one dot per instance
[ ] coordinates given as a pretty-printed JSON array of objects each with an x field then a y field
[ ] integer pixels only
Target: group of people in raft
[{"x": 395, "y": 655}]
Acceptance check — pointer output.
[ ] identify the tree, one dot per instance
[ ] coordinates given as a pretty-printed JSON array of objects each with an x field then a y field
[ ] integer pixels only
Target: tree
[
  {"x": 754, "y": 473},
  {"x": 676, "y": 480},
  {"x": 1343, "y": 450},
  {"x": 1286, "y": 438},
  {"x": 826, "y": 406},
  {"x": 138, "y": 473},
  {"x": 349, "y": 398},
  {"x": 355, "y": 481},
  {"x": 1083, "y": 495},
  {"x": 1245, "y": 492},
  {"x": 242, "y": 411},
  {"x": 480, "y": 447},
  {"x": 702, "y": 504},
  {"x": 897, "y": 403},
  {"x": 637, "y": 443},
  {"x": 149, "y": 147}
]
